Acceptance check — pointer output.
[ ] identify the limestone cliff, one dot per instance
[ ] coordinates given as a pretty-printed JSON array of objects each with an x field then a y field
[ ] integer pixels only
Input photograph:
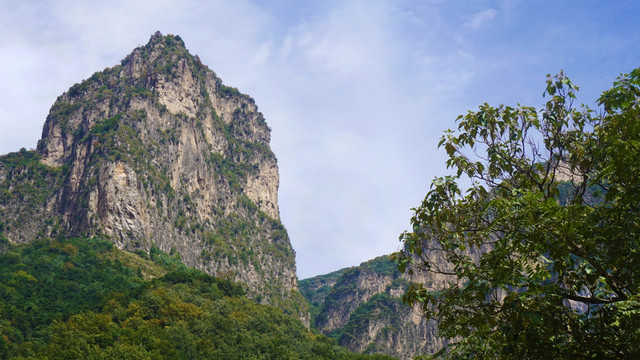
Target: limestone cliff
[
  {"x": 363, "y": 309},
  {"x": 157, "y": 151}
]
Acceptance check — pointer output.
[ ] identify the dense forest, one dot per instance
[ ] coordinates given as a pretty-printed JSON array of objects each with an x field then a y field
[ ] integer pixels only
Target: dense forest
[{"x": 83, "y": 298}]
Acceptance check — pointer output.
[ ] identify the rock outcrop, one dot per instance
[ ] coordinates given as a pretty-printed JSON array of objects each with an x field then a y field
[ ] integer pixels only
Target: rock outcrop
[
  {"x": 158, "y": 152},
  {"x": 362, "y": 308}
]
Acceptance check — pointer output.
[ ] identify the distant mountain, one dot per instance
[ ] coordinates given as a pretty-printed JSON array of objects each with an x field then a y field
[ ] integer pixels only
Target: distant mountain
[
  {"x": 157, "y": 152},
  {"x": 362, "y": 308}
]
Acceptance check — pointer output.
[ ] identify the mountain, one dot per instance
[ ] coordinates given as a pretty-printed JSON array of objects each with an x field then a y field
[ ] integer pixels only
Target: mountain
[
  {"x": 362, "y": 308},
  {"x": 157, "y": 152}
]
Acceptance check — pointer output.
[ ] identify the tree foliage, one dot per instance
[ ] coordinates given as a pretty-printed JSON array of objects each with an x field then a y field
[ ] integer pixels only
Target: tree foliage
[
  {"x": 85, "y": 299},
  {"x": 539, "y": 254}
]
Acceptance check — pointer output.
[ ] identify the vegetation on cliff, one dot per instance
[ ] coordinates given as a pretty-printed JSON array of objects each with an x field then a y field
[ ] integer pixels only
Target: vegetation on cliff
[
  {"x": 552, "y": 211},
  {"x": 361, "y": 307},
  {"x": 316, "y": 289}
]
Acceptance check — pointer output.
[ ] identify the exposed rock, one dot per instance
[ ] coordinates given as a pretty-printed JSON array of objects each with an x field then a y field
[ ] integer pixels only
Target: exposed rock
[
  {"x": 157, "y": 151},
  {"x": 363, "y": 309}
]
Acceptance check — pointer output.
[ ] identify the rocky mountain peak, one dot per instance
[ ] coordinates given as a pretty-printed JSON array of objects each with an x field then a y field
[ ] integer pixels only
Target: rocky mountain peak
[{"x": 157, "y": 151}]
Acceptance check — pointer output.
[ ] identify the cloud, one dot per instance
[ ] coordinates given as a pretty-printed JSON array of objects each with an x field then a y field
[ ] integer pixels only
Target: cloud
[{"x": 481, "y": 19}]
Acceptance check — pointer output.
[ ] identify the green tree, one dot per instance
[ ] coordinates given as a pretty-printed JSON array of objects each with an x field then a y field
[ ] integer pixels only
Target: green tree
[{"x": 539, "y": 251}]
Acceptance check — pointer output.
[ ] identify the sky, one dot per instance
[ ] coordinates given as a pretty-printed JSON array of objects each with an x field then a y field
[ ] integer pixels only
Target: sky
[{"x": 357, "y": 92}]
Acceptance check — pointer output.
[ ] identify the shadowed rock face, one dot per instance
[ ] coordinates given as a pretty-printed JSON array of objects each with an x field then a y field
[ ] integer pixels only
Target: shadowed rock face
[
  {"x": 157, "y": 151},
  {"x": 362, "y": 307}
]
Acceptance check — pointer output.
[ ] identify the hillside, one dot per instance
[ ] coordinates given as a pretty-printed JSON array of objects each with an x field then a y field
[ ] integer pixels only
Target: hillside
[
  {"x": 361, "y": 307},
  {"x": 83, "y": 298}
]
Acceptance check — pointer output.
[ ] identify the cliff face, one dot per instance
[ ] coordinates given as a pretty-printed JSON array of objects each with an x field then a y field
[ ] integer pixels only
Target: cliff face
[
  {"x": 363, "y": 309},
  {"x": 157, "y": 151}
]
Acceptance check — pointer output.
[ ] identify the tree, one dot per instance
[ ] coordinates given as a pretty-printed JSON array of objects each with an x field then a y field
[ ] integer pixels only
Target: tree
[{"x": 539, "y": 253}]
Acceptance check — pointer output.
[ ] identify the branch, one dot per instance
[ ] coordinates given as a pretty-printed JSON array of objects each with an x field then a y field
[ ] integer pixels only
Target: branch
[
  {"x": 616, "y": 286},
  {"x": 591, "y": 300}
]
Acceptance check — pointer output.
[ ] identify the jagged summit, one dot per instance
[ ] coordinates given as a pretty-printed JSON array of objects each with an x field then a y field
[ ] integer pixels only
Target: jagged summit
[
  {"x": 158, "y": 38},
  {"x": 156, "y": 151},
  {"x": 158, "y": 70}
]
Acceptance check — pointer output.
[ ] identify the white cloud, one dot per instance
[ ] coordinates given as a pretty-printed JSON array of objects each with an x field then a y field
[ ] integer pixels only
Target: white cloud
[{"x": 481, "y": 19}]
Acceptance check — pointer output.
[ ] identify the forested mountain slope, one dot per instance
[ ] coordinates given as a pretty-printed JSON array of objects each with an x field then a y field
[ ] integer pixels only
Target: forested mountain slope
[{"x": 83, "y": 298}]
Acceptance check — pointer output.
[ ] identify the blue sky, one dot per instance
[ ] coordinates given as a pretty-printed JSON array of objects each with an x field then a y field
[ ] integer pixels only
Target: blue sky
[{"x": 357, "y": 93}]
